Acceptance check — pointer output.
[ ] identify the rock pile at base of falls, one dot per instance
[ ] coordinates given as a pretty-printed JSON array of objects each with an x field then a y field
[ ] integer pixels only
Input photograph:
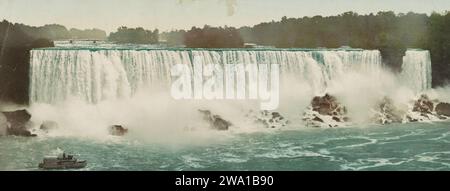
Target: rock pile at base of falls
[
  {"x": 422, "y": 109},
  {"x": 425, "y": 109},
  {"x": 325, "y": 111},
  {"x": 16, "y": 123},
  {"x": 268, "y": 119},
  {"x": 215, "y": 122}
]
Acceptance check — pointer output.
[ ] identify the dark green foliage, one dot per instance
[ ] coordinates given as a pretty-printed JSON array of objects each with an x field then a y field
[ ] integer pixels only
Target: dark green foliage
[
  {"x": 134, "y": 35},
  {"x": 438, "y": 42},
  {"x": 53, "y": 32},
  {"x": 59, "y": 32},
  {"x": 12, "y": 36},
  {"x": 348, "y": 29},
  {"x": 211, "y": 37}
]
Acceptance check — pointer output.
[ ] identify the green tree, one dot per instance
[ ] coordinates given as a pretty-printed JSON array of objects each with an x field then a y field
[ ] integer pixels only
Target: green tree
[{"x": 134, "y": 35}]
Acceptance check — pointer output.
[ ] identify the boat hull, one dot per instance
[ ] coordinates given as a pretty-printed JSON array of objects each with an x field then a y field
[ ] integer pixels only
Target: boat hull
[{"x": 77, "y": 165}]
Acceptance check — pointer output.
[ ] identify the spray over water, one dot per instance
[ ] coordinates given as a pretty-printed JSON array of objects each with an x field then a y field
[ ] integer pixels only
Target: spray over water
[{"x": 87, "y": 90}]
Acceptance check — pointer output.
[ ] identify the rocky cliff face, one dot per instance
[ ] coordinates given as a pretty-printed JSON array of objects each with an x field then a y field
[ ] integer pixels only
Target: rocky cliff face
[
  {"x": 15, "y": 48},
  {"x": 393, "y": 57},
  {"x": 17, "y": 123}
]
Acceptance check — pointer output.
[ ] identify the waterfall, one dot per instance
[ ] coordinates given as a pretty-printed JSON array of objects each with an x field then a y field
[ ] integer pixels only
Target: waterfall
[
  {"x": 416, "y": 70},
  {"x": 97, "y": 75}
]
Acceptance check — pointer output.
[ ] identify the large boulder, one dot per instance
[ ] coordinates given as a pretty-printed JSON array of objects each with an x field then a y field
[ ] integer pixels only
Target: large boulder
[
  {"x": 324, "y": 105},
  {"x": 443, "y": 109},
  {"x": 325, "y": 111},
  {"x": 118, "y": 130},
  {"x": 18, "y": 123},
  {"x": 327, "y": 105},
  {"x": 215, "y": 122}
]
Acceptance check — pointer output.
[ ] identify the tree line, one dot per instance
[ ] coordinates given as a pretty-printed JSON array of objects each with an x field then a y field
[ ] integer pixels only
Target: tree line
[
  {"x": 392, "y": 34},
  {"x": 60, "y": 32},
  {"x": 134, "y": 35}
]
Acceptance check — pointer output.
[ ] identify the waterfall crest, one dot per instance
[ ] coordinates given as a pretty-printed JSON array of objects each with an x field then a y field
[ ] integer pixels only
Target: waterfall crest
[{"x": 97, "y": 75}]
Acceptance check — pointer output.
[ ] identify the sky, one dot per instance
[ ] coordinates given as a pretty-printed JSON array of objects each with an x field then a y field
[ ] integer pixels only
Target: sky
[{"x": 183, "y": 14}]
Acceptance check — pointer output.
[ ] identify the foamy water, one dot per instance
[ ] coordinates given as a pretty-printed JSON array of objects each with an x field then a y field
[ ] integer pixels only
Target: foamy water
[{"x": 414, "y": 146}]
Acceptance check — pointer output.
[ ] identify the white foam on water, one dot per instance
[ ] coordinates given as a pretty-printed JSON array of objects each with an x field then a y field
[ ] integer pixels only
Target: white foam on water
[{"x": 364, "y": 164}]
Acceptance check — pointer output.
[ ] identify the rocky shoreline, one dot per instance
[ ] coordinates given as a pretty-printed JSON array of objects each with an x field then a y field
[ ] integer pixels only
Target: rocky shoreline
[
  {"x": 327, "y": 111},
  {"x": 324, "y": 111},
  {"x": 18, "y": 123}
]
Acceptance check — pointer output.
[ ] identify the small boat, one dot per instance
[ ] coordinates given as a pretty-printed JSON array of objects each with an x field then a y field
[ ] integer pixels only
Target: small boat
[{"x": 62, "y": 161}]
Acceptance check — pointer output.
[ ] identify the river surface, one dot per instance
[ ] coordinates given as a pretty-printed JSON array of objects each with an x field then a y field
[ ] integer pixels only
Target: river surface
[{"x": 413, "y": 146}]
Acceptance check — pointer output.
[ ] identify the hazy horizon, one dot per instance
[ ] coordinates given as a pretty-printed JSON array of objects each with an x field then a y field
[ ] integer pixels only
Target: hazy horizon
[{"x": 168, "y": 15}]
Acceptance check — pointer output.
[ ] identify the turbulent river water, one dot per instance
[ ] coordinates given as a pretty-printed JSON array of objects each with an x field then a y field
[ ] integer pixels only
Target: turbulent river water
[{"x": 415, "y": 146}]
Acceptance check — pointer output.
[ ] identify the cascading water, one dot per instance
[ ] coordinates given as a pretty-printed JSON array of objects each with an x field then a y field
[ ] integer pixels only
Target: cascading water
[
  {"x": 97, "y": 75},
  {"x": 416, "y": 70}
]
